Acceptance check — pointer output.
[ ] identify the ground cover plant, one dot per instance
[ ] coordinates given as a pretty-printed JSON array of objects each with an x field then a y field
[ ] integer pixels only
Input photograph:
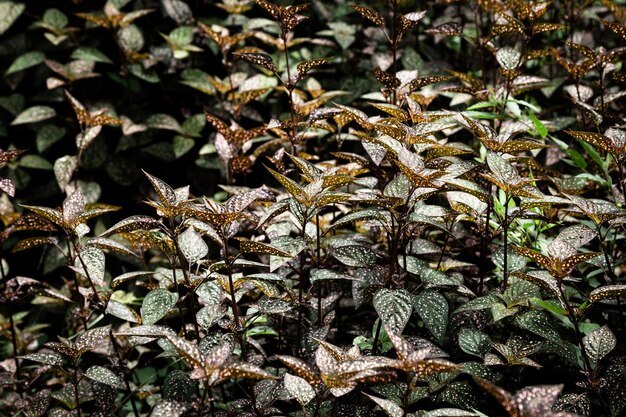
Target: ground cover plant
[{"x": 255, "y": 208}]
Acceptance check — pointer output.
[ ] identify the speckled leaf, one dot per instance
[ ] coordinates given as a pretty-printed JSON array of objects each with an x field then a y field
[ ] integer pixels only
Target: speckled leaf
[
  {"x": 386, "y": 79},
  {"x": 299, "y": 388},
  {"x": 32, "y": 242},
  {"x": 596, "y": 139},
  {"x": 306, "y": 66},
  {"x": 354, "y": 255},
  {"x": 122, "y": 311},
  {"x": 291, "y": 186},
  {"x": 64, "y": 168},
  {"x": 178, "y": 386},
  {"x": 451, "y": 412},
  {"x": 300, "y": 368},
  {"x": 607, "y": 292},
  {"x": 423, "y": 81},
  {"x": 47, "y": 213},
  {"x": 274, "y": 306},
  {"x": 539, "y": 323},
  {"x": 370, "y": 14},
  {"x": 9, "y": 12},
  {"x": 169, "y": 408},
  {"x": 433, "y": 309},
  {"x": 359, "y": 215},
  {"x": 502, "y": 169},
  {"x": 535, "y": 256},
  {"x": 209, "y": 315},
  {"x": 394, "y": 308},
  {"x": 599, "y": 343},
  {"x": 131, "y": 224},
  {"x": 246, "y": 371},
  {"x": 187, "y": 349},
  {"x": 157, "y": 304},
  {"x": 34, "y": 114},
  {"x": 192, "y": 245},
  {"x": 90, "y": 263},
  {"x": 259, "y": 58},
  {"x": 474, "y": 342},
  {"x": 509, "y": 58},
  {"x": 327, "y": 274},
  {"x": 249, "y": 246},
  {"x": 391, "y": 408},
  {"x": 92, "y": 338},
  {"x": 165, "y": 192},
  {"x": 48, "y": 358},
  {"x": 73, "y": 205},
  {"x": 104, "y": 376}
]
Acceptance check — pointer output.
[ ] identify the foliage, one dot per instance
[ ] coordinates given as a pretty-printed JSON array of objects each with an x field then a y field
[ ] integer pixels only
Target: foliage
[{"x": 314, "y": 209}]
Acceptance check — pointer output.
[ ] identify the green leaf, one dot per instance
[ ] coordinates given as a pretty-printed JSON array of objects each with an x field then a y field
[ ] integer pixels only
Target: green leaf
[
  {"x": 192, "y": 245},
  {"x": 169, "y": 408},
  {"x": 35, "y": 162},
  {"x": 391, "y": 408},
  {"x": 34, "y": 114},
  {"x": 355, "y": 255},
  {"x": 474, "y": 342},
  {"x": 27, "y": 60},
  {"x": 90, "y": 263},
  {"x": 55, "y": 19},
  {"x": 394, "y": 308},
  {"x": 122, "y": 311},
  {"x": 178, "y": 386},
  {"x": 157, "y": 304},
  {"x": 104, "y": 376},
  {"x": 327, "y": 274},
  {"x": 88, "y": 53},
  {"x": 433, "y": 309},
  {"x": 599, "y": 343},
  {"x": 9, "y": 12},
  {"x": 163, "y": 121},
  {"x": 299, "y": 388},
  {"x": 539, "y": 323},
  {"x": 64, "y": 168}
]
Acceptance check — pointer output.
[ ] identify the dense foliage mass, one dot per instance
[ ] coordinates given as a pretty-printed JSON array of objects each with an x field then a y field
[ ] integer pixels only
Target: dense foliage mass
[{"x": 402, "y": 208}]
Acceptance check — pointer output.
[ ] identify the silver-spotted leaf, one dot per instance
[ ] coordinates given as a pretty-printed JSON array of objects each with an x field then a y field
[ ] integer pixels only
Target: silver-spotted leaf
[
  {"x": 90, "y": 263},
  {"x": 355, "y": 255},
  {"x": 299, "y": 388},
  {"x": 104, "y": 376},
  {"x": 192, "y": 245},
  {"x": 599, "y": 343},
  {"x": 92, "y": 338},
  {"x": 433, "y": 309},
  {"x": 47, "y": 358},
  {"x": 394, "y": 308},
  {"x": 157, "y": 304},
  {"x": 389, "y": 407}
]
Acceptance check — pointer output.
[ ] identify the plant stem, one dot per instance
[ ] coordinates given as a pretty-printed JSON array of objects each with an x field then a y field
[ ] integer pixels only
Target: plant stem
[
  {"x": 376, "y": 336},
  {"x": 15, "y": 350},
  {"x": 123, "y": 369},
  {"x": 505, "y": 238}
]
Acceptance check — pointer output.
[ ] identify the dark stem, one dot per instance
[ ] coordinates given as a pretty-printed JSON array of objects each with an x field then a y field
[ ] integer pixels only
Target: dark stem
[
  {"x": 76, "y": 394},
  {"x": 505, "y": 238},
  {"x": 15, "y": 350},
  {"x": 376, "y": 336},
  {"x": 484, "y": 238},
  {"x": 123, "y": 368}
]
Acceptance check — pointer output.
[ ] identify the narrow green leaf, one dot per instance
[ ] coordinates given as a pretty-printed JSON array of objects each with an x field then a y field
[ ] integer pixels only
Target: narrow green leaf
[
  {"x": 34, "y": 114},
  {"x": 26, "y": 60}
]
